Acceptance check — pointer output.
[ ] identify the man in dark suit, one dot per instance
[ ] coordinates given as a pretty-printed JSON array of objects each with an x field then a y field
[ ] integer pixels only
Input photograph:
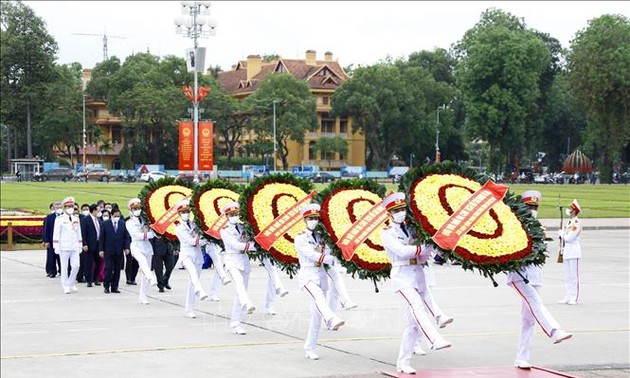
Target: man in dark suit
[
  {"x": 82, "y": 275},
  {"x": 163, "y": 261},
  {"x": 53, "y": 262},
  {"x": 113, "y": 244},
  {"x": 91, "y": 227}
]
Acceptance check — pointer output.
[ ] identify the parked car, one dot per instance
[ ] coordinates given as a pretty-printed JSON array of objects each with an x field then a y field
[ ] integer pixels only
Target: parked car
[
  {"x": 63, "y": 174},
  {"x": 125, "y": 176},
  {"x": 321, "y": 177},
  {"x": 153, "y": 176},
  {"x": 94, "y": 174}
]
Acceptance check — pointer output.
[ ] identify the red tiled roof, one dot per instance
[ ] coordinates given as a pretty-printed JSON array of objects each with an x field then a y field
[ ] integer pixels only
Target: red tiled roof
[{"x": 235, "y": 81}]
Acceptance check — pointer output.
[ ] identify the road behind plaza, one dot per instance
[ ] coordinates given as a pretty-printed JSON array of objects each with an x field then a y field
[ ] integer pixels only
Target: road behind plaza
[{"x": 48, "y": 334}]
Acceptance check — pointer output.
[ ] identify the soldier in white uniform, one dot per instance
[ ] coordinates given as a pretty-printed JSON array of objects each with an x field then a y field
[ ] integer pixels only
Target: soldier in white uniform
[
  {"x": 68, "y": 243},
  {"x": 408, "y": 281},
  {"x": 141, "y": 248},
  {"x": 220, "y": 276},
  {"x": 572, "y": 254},
  {"x": 275, "y": 288},
  {"x": 237, "y": 264},
  {"x": 532, "y": 308},
  {"x": 338, "y": 293},
  {"x": 190, "y": 254},
  {"x": 313, "y": 253}
]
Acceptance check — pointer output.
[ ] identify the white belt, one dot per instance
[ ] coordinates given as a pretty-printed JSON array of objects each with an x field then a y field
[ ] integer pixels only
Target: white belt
[
  {"x": 234, "y": 253},
  {"x": 316, "y": 265},
  {"x": 405, "y": 262}
]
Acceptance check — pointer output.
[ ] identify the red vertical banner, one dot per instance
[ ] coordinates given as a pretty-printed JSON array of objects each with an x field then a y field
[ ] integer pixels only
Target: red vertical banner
[
  {"x": 186, "y": 146},
  {"x": 206, "y": 159}
]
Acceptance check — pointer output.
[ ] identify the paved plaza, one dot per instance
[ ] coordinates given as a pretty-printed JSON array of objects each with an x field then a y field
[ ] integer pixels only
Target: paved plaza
[{"x": 46, "y": 333}]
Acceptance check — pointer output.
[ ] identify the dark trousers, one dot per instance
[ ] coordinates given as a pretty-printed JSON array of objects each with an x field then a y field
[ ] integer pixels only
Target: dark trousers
[
  {"x": 82, "y": 267},
  {"x": 113, "y": 266},
  {"x": 131, "y": 268},
  {"x": 92, "y": 266},
  {"x": 163, "y": 266},
  {"x": 53, "y": 262}
]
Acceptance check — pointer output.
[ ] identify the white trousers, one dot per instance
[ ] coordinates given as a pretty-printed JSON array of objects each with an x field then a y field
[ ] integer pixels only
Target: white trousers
[
  {"x": 215, "y": 284},
  {"x": 532, "y": 310},
  {"x": 240, "y": 279},
  {"x": 416, "y": 319},
  {"x": 69, "y": 280},
  {"x": 319, "y": 311},
  {"x": 217, "y": 261},
  {"x": 143, "y": 259},
  {"x": 274, "y": 285},
  {"x": 338, "y": 293},
  {"x": 194, "y": 272},
  {"x": 571, "y": 279}
]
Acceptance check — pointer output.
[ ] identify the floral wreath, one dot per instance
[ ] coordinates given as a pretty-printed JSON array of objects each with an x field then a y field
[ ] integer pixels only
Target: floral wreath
[
  {"x": 342, "y": 202},
  {"x": 504, "y": 239},
  {"x": 157, "y": 197},
  {"x": 265, "y": 199},
  {"x": 207, "y": 201}
]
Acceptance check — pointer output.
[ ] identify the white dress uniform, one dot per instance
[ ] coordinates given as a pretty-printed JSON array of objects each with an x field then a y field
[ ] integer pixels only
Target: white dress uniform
[
  {"x": 220, "y": 276},
  {"x": 313, "y": 281},
  {"x": 239, "y": 268},
  {"x": 338, "y": 293},
  {"x": 142, "y": 250},
  {"x": 572, "y": 254},
  {"x": 275, "y": 287},
  {"x": 190, "y": 254},
  {"x": 68, "y": 243},
  {"x": 408, "y": 281},
  {"x": 532, "y": 308}
]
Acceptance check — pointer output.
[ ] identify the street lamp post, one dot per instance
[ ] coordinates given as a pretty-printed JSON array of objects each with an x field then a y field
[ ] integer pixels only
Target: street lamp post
[
  {"x": 84, "y": 133},
  {"x": 275, "y": 148},
  {"x": 437, "y": 135},
  {"x": 193, "y": 27}
]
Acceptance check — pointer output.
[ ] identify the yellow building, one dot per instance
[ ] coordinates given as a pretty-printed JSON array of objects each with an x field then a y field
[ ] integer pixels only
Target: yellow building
[{"x": 322, "y": 77}]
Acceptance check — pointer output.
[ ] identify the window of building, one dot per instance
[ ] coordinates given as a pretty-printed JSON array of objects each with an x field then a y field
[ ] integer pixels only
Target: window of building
[
  {"x": 343, "y": 126},
  {"x": 343, "y": 156},
  {"x": 325, "y": 100},
  {"x": 329, "y": 155},
  {"x": 116, "y": 135},
  {"x": 328, "y": 124},
  {"x": 312, "y": 152}
]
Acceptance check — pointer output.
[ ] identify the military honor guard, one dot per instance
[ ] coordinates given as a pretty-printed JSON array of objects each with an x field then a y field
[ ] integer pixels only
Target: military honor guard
[
  {"x": 313, "y": 254},
  {"x": 527, "y": 283},
  {"x": 220, "y": 276},
  {"x": 408, "y": 281},
  {"x": 572, "y": 254},
  {"x": 190, "y": 243},
  {"x": 237, "y": 264},
  {"x": 141, "y": 248},
  {"x": 275, "y": 288},
  {"x": 338, "y": 293},
  {"x": 68, "y": 243}
]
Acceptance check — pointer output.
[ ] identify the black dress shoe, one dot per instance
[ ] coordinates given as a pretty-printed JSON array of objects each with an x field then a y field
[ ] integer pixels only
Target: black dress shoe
[
  {"x": 89, "y": 284},
  {"x": 115, "y": 291},
  {"x": 161, "y": 290},
  {"x": 167, "y": 286},
  {"x": 81, "y": 281},
  {"x": 131, "y": 283},
  {"x": 52, "y": 276},
  {"x": 97, "y": 283},
  {"x": 106, "y": 291}
]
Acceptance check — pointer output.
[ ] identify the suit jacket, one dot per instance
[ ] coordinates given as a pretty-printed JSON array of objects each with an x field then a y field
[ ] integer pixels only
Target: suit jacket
[
  {"x": 114, "y": 242},
  {"x": 49, "y": 226},
  {"x": 88, "y": 230}
]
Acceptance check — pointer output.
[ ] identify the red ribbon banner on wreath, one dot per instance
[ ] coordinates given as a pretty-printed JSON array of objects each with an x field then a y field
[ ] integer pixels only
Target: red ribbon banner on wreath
[
  {"x": 361, "y": 229},
  {"x": 462, "y": 220}
]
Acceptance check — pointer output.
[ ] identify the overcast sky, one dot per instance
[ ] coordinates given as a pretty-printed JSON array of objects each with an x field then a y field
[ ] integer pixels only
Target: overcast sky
[{"x": 356, "y": 32}]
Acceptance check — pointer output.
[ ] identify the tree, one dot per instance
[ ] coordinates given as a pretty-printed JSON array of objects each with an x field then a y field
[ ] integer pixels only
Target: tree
[
  {"x": 499, "y": 70},
  {"x": 599, "y": 73},
  {"x": 26, "y": 59},
  {"x": 295, "y": 111},
  {"x": 328, "y": 146}
]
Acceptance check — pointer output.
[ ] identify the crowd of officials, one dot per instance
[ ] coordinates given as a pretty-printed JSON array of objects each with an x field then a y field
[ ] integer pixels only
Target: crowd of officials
[{"x": 93, "y": 243}]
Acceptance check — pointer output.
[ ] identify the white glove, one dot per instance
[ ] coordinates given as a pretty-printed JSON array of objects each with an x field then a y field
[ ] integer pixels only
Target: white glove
[{"x": 252, "y": 246}]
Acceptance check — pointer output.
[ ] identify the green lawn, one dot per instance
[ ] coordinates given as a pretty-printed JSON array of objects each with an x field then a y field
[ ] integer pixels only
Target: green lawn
[{"x": 597, "y": 201}]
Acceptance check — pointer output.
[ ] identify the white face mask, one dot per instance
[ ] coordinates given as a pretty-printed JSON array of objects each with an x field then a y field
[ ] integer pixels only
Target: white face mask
[
  {"x": 59, "y": 211},
  {"x": 535, "y": 213},
  {"x": 233, "y": 219},
  {"x": 70, "y": 211},
  {"x": 568, "y": 212},
  {"x": 185, "y": 217},
  {"x": 312, "y": 224},
  {"x": 85, "y": 212},
  {"x": 115, "y": 219},
  {"x": 105, "y": 217},
  {"x": 99, "y": 213},
  {"x": 399, "y": 217},
  {"x": 136, "y": 213}
]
